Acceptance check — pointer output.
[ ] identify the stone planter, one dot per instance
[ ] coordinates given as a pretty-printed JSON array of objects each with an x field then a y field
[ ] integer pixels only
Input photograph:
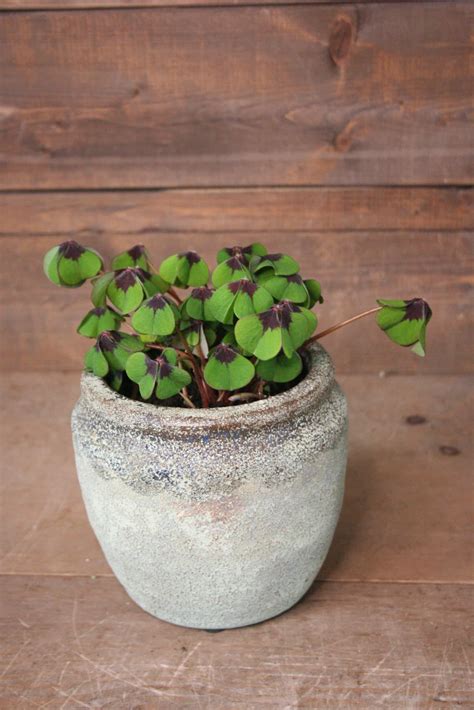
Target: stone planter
[{"x": 214, "y": 518}]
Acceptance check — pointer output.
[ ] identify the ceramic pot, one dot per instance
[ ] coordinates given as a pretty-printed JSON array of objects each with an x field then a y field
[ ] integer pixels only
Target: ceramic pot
[{"x": 214, "y": 518}]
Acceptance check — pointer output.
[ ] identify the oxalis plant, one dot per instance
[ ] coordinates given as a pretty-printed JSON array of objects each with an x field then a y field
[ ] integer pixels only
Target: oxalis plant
[{"x": 237, "y": 335}]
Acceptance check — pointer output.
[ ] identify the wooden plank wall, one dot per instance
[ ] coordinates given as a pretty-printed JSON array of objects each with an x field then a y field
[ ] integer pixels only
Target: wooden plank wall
[{"x": 339, "y": 132}]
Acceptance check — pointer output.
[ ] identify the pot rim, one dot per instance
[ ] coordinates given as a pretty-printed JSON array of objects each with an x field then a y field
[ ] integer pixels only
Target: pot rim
[{"x": 111, "y": 405}]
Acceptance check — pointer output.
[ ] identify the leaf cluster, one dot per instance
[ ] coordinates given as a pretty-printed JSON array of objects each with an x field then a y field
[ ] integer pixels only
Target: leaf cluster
[{"x": 236, "y": 333}]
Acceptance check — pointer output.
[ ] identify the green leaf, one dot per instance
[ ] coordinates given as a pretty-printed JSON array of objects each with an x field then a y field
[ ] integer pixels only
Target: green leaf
[
  {"x": 96, "y": 362},
  {"x": 282, "y": 264},
  {"x": 50, "y": 265},
  {"x": 284, "y": 325},
  {"x": 126, "y": 290},
  {"x": 90, "y": 263},
  {"x": 248, "y": 332},
  {"x": 173, "y": 383},
  {"x": 314, "y": 292},
  {"x": 98, "y": 320},
  {"x": 241, "y": 298},
  {"x": 187, "y": 269},
  {"x": 152, "y": 283},
  {"x": 70, "y": 264},
  {"x": 191, "y": 330},
  {"x": 227, "y": 370},
  {"x": 99, "y": 289},
  {"x": 197, "y": 305},
  {"x": 289, "y": 288},
  {"x": 405, "y": 321},
  {"x": 232, "y": 269},
  {"x": 280, "y": 368},
  {"x": 136, "y": 256},
  {"x": 116, "y": 379},
  {"x": 242, "y": 253},
  {"x": 136, "y": 367},
  {"x": 161, "y": 371},
  {"x": 154, "y": 317}
]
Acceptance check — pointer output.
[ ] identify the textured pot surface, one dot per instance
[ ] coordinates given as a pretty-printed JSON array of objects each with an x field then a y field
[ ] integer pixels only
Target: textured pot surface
[{"x": 214, "y": 518}]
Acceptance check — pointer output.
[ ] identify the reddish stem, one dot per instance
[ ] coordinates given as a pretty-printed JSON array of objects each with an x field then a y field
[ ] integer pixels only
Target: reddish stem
[{"x": 335, "y": 327}]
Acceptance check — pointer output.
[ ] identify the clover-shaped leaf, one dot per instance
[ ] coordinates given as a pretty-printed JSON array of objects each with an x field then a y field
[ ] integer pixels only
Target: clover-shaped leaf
[
  {"x": 111, "y": 351},
  {"x": 70, "y": 264},
  {"x": 125, "y": 290},
  {"x": 226, "y": 369},
  {"x": 197, "y": 333},
  {"x": 197, "y": 305},
  {"x": 288, "y": 288},
  {"x": 156, "y": 316},
  {"x": 283, "y": 326},
  {"x": 160, "y": 375},
  {"x": 405, "y": 321},
  {"x": 240, "y": 298},
  {"x": 242, "y": 253},
  {"x": 280, "y": 368},
  {"x": 136, "y": 256},
  {"x": 185, "y": 269},
  {"x": 97, "y": 320},
  {"x": 281, "y": 264},
  {"x": 232, "y": 269},
  {"x": 313, "y": 288}
]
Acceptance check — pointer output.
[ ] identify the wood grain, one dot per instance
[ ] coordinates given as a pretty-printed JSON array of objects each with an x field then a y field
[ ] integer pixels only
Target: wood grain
[
  {"x": 354, "y": 269},
  {"x": 80, "y": 642},
  {"x": 138, "y": 213},
  {"x": 407, "y": 513},
  {"x": 131, "y": 4},
  {"x": 317, "y": 94}
]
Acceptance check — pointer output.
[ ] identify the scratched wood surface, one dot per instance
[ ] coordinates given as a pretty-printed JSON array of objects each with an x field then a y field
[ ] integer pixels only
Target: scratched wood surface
[
  {"x": 80, "y": 642},
  {"x": 308, "y": 94}
]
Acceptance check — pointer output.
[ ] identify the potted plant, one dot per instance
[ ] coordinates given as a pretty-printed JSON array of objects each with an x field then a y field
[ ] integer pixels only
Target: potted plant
[{"x": 210, "y": 433}]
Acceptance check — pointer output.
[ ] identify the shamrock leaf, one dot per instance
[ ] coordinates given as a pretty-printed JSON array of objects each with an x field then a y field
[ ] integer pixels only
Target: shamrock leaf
[
  {"x": 160, "y": 375},
  {"x": 156, "y": 316},
  {"x": 281, "y": 264},
  {"x": 136, "y": 256},
  {"x": 313, "y": 288},
  {"x": 283, "y": 326},
  {"x": 289, "y": 288},
  {"x": 98, "y": 320},
  {"x": 230, "y": 270},
  {"x": 196, "y": 333},
  {"x": 241, "y": 298},
  {"x": 280, "y": 368},
  {"x": 185, "y": 269},
  {"x": 125, "y": 289},
  {"x": 197, "y": 305},
  {"x": 70, "y": 264},
  {"x": 244, "y": 254},
  {"x": 111, "y": 351},
  {"x": 405, "y": 322},
  {"x": 227, "y": 370}
]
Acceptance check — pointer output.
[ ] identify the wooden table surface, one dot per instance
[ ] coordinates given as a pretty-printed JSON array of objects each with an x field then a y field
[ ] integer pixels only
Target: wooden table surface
[{"x": 386, "y": 624}]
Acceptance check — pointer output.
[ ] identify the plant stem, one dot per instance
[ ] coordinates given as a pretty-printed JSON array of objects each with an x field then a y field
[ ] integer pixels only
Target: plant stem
[
  {"x": 203, "y": 390},
  {"x": 173, "y": 293},
  {"x": 323, "y": 333}
]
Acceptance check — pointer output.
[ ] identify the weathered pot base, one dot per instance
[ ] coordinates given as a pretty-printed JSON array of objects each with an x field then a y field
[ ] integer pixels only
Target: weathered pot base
[{"x": 219, "y": 518}]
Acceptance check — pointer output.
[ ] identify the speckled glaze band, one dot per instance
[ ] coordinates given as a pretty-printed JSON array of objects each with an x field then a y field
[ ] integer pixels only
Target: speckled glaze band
[{"x": 214, "y": 518}]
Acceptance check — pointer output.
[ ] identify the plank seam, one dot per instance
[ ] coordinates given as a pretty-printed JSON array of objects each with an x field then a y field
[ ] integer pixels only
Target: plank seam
[
  {"x": 233, "y": 6},
  {"x": 238, "y": 188}
]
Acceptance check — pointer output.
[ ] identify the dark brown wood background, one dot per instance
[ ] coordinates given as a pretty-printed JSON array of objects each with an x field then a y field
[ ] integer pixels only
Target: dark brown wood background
[{"x": 341, "y": 133}]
